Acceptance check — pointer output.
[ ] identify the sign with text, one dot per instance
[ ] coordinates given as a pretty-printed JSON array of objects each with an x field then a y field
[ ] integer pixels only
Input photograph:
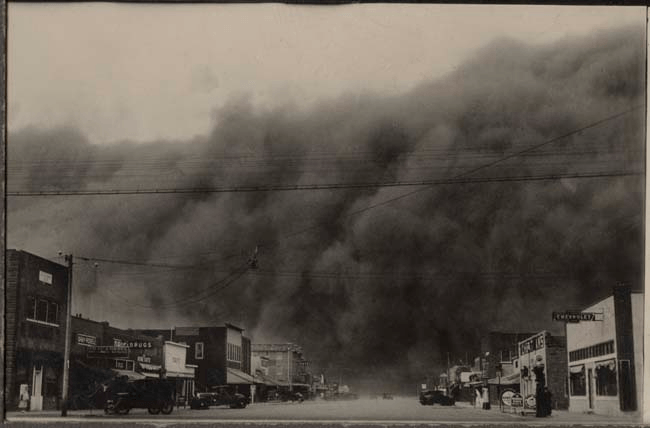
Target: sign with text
[
  {"x": 139, "y": 344},
  {"x": 45, "y": 277},
  {"x": 575, "y": 317},
  {"x": 106, "y": 351},
  {"x": 532, "y": 344},
  {"x": 86, "y": 340},
  {"x": 143, "y": 359}
]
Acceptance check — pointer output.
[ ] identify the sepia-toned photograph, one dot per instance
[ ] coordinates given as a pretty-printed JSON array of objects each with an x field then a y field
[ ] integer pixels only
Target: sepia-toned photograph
[{"x": 303, "y": 214}]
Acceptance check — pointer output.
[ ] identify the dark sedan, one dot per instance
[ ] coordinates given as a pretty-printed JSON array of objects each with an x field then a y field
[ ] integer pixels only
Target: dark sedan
[{"x": 431, "y": 397}]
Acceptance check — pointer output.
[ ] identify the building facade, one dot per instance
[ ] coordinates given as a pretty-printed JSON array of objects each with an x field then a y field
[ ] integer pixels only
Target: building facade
[
  {"x": 548, "y": 352},
  {"x": 36, "y": 296},
  {"x": 284, "y": 364},
  {"x": 221, "y": 355},
  {"x": 605, "y": 355}
]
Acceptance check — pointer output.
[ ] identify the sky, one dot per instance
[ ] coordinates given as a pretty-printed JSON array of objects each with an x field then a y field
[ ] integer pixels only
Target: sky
[
  {"x": 388, "y": 279},
  {"x": 143, "y": 72}
]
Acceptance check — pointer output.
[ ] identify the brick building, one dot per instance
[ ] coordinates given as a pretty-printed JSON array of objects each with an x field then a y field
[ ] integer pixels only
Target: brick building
[
  {"x": 36, "y": 295},
  {"x": 549, "y": 351}
]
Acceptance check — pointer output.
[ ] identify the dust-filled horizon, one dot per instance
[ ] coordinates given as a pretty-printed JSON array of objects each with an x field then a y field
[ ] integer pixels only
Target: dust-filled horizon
[{"x": 380, "y": 284}]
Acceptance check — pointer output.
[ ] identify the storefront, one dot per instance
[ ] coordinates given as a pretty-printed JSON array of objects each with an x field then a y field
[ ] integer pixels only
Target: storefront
[
  {"x": 605, "y": 351},
  {"x": 176, "y": 369},
  {"x": 544, "y": 356},
  {"x": 36, "y": 291}
]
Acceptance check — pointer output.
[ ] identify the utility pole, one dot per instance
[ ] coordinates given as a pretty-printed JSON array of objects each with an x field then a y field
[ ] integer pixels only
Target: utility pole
[{"x": 68, "y": 334}]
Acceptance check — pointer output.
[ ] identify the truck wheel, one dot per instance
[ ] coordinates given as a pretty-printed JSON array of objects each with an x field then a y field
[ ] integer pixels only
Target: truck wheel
[
  {"x": 154, "y": 410},
  {"x": 167, "y": 408}
]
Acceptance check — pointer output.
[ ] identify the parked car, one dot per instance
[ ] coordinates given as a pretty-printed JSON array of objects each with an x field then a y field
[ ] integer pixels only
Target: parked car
[
  {"x": 431, "y": 397},
  {"x": 155, "y": 395},
  {"x": 387, "y": 396},
  {"x": 221, "y": 396}
]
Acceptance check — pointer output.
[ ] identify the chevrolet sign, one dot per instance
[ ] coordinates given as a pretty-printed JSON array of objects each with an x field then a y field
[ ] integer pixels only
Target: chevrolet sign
[{"x": 572, "y": 317}]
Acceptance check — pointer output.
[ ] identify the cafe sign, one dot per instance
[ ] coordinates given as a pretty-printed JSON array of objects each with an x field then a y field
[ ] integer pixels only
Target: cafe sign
[
  {"x": 532, "y": 344},
  {"x": 575, "y": 317}
]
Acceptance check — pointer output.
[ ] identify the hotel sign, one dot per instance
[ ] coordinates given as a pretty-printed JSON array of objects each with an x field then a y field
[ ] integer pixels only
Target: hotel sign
[{"x": 575, "y": 317}]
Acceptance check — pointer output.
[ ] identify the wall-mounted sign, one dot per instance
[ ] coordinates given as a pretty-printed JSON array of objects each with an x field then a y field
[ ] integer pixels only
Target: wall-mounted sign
[
  {"x": 139, "y": 344},
  {"x": 45, "y": 277},
  {"x": 106, "y": 351},
  {"x": 574, "y": 317},
  {"x": 143, "y": 359},
  {"x": 532, "y": 344},
  {"x": 86, "y": 340}
]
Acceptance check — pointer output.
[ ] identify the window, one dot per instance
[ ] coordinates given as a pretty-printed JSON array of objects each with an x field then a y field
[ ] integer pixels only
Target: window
[
  {"x": 577, "y": 384},
  {"x": 53, "y": 313},
  {"x": 606, "y": 378},
  {"x": 42, "y": 310},
  {"x": 198, "y": 350}
]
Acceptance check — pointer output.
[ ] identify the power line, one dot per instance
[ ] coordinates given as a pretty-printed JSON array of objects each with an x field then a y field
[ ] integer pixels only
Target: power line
[{"x": 330, "y": 186}]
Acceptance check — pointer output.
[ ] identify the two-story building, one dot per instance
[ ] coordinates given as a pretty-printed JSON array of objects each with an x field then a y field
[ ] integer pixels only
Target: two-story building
[
  {"x": 36, "y": 296},
  {"x": 285, "y": 365},
  {"x": 605, "y": 354},
  {"x": 221, "y": 355}
]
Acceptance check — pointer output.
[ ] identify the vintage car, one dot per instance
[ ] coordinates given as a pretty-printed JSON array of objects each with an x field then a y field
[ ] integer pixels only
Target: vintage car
[
  {"x": 220, "y": 396},
  {"x": 387, "y": 396},
  {"x": 155, "y": 395},
  {"x": 434, "y": 396}
]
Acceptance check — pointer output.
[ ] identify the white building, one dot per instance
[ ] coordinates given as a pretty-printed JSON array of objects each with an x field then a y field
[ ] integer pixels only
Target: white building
[
  {"x": 605, "y": 355},
  {"x": 176, "y": 368}
]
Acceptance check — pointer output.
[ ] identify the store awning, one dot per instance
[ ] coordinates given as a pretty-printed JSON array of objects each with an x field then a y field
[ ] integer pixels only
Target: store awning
[
  {"x": 238, "y": 377},
  {"x": 265, "y": 380},
  {"x": 188, "y": 373},
  {"x": 150, "y": 367},
  {"x": 512, "y": 379},
  {"x": 128, "y": 373}
]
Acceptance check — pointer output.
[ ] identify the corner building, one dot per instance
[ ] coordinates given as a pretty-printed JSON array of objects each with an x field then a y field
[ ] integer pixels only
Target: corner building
[{"x": 605, "y": 356}]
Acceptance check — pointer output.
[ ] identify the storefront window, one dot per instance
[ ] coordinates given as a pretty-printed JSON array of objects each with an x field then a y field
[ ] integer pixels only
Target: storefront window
[
  {"x": 198, "y": 350},
  {"x": 577, "y": 383},
  {"x": 606, "y": 378}
]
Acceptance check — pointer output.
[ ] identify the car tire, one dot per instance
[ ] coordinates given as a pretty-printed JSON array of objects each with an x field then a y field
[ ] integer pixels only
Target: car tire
[
  {"x": 154, "y": 410},
  {"x": 167, "y": 408},
  {"x": 122, "y": 410}
]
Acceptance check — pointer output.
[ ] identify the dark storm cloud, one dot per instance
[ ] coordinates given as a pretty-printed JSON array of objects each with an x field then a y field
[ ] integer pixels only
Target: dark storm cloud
[{"x": 395, "y": 286}]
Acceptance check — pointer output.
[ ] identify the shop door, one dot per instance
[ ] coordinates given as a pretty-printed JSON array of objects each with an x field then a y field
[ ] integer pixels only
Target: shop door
[
  {"x": 590, "y": 388},
  {"x": 36, "y": 400}
]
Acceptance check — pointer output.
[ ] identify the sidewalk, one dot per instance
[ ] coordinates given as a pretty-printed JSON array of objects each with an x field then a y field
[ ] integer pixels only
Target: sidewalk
[{"x": 562, "y": 416}]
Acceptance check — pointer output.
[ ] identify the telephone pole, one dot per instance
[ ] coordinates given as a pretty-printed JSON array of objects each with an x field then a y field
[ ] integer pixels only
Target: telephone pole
[{"x": 68, "y": 334}]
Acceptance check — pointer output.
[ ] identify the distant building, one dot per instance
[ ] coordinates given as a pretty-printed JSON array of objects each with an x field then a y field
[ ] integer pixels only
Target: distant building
[
  {"x": 36, "y": 295},
  {"x": 285, "y": 365},
  {"x": 605, "y": 355}
]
